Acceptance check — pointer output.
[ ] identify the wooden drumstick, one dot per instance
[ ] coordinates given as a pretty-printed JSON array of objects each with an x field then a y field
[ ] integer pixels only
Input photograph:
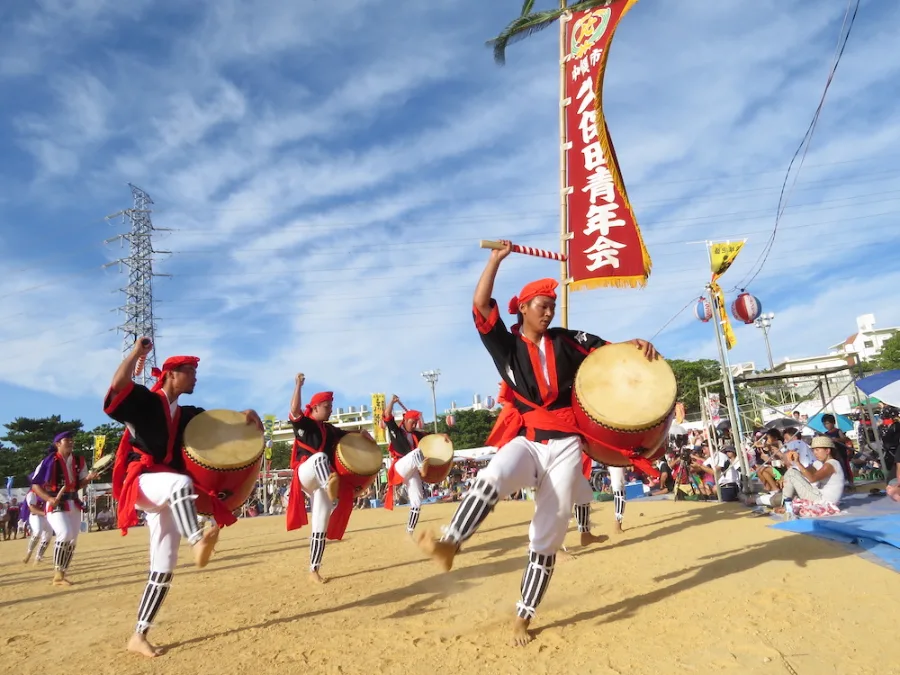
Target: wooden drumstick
[{"x": 525, "y": 250}]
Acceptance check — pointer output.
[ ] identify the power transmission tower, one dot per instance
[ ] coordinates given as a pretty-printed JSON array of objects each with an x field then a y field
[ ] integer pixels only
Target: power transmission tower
[{"x": 138, "y": 307}]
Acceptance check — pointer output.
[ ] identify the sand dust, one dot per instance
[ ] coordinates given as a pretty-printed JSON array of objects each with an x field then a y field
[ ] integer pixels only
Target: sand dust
[{"x": 698, "y": 587}]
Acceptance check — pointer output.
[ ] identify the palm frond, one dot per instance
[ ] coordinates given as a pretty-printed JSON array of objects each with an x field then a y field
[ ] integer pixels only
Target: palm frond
[{"x": 528, "y": 23}]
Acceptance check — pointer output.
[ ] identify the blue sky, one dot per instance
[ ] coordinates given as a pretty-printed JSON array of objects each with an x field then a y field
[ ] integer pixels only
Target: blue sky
[{"x": 328, "y": 168}]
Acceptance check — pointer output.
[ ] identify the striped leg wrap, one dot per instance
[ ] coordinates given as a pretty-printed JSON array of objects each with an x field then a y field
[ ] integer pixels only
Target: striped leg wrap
[
  {"x": 62, "y": 555},
  {"x": 42, "y": 549},
  {"x": 475, "y": 506},
  {"x": 185, "y": 511},
  {"x": 619, "y": 499},
  {"x": 322, "y": 469},
  {"x": 418, "y": 457},
  {"x": 316, "y": 550},
  {"x": 32, "y": 542},
  {"x": 413, "y": 519},
  {"x": 534, "y": 583},
  {"x": 154, "y": 593},
  {"x": 583, "y": 517}
]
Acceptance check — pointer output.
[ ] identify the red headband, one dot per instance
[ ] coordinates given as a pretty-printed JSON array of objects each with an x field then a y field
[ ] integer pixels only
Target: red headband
[
  {"x": 412, "y": 415},
  {"x": 529, "y": 292},
  {"x": 172, "y": 363},
  {"x": 321, "y": 397}
]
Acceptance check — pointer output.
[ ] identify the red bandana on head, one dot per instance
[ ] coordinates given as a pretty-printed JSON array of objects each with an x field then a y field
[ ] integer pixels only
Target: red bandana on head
[
  {"x": 172, "y": 363},
  {"x": 529, "y": 292},
  {"x": 321, "y": 397},
  {"x": 414, "y": 415}
]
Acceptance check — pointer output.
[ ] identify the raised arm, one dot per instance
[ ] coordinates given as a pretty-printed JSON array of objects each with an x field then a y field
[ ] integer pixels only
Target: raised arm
[
  {"x": 296, "y": 398},
  {"x": 485, "y": 288},
  {"x": 124, "y": 373}
]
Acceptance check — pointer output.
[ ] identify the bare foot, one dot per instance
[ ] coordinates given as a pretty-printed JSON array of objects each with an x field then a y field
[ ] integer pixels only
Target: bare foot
[
  {"x": 587, "y": 538},
  {"x": 26, "y": 559},
  {"x": 520, "y": 634},
  {"x": 893, "y": 491},
  {"x": 139, "y": 645},
  {"x": 59, "y": 579},
  {"x": 618, "y": 529},
  {"x": 442, "y": 552},
  {"x": 317, "y": 578},
  {"x": 332, "y": 486},
  {"x": 203, "y": 549}
]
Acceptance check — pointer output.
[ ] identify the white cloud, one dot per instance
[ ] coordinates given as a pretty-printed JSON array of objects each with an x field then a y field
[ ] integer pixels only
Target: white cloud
[{"x": 329, "y": 172}]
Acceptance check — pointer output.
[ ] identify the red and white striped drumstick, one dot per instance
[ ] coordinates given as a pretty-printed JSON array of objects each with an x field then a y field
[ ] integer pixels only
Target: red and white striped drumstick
[{"x": 525, "y": 250}]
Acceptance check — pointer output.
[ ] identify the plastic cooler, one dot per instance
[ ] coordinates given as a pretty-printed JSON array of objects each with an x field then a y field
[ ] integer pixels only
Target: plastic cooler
[{"x": 634, "y": 490}]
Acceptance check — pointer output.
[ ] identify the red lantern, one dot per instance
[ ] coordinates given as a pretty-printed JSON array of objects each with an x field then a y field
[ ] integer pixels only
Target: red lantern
[
  {"x": 451, "y": 420},
  {"x": 703, "y": 310},
  {"x": 746, "y": 308}
]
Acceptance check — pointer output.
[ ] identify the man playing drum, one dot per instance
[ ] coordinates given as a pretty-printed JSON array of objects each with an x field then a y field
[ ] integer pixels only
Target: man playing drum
[
  {"x": 57, "y": 480},
  {"x": 312, "y": 463},
  {"x": 408, "y": 466},
  {"x": 540, "y": 445},
  {"x": 149, "y": 474}
]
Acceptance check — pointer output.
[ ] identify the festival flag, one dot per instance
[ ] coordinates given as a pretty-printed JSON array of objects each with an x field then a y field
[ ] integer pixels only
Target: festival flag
[
  {"x": 722, "y": 255},
  {"x": 99, "y": 444},
  {"x": 269, "y": 430},
  {"x": 679, "y": 412},
  {"x": 377, "y": 414},
  {"x": 605, "y": 247}
]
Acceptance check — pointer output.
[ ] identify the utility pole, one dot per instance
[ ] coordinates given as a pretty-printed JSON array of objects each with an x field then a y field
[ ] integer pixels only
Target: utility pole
[
  {"x": 431, "y": 377},
  {"x": 138, "y": 307},
  {"x": 764, "y": 322}
]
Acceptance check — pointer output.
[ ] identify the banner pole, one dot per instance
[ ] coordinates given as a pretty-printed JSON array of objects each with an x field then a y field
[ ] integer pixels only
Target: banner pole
[{"x": 563, "y": 178}]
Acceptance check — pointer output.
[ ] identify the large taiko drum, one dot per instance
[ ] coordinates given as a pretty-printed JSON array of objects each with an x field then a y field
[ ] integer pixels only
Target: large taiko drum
[
  {"x": 625, "y": 401},
  {"x": 357, "y": 461},
  {"x": 438, "y": 450},
  {"x": 222, "y": 453}
]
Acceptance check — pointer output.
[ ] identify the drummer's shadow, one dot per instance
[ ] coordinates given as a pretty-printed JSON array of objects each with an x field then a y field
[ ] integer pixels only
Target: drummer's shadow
[{"x": 433, "y": 589}]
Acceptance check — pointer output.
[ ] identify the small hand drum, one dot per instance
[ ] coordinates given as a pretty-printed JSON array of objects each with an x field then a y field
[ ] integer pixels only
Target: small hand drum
[
  {"x": 222, "y": 453},
  {"x": 438, "y": 450},
  {"x": 103, "y": 464}
]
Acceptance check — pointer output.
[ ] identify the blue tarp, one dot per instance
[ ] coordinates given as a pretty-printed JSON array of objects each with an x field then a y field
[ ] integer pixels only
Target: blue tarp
[{"x": 872, "y": 523}]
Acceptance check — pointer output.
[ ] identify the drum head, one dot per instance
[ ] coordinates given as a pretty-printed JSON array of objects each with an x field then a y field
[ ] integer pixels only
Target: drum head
[
  {"x": 437, "y": 447},
  {"x": 103, "y": 463},
  {"x": 621, "y": 389},
  {"x": 359, "y": 454},
  {"x": 222, "y": 439}
]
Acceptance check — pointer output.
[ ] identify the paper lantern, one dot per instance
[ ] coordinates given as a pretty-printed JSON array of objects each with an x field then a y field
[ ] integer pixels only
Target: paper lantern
[
  {"x": 703, "y": 310},
  {"x": 746, "y": 308},
  {"x": 451, "y": 420}
]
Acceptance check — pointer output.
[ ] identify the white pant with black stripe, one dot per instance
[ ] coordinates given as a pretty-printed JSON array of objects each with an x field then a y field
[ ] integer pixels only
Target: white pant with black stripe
[
  {"x": 407, "y": 467},
  {"x": 553, "y": 469},
  {"x": 40, "y": 526},
  {"x": 156, "y": 489}
]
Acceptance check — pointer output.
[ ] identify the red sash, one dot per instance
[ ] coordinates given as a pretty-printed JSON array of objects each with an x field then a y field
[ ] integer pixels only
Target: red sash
[{"x": 510, "y": 422}]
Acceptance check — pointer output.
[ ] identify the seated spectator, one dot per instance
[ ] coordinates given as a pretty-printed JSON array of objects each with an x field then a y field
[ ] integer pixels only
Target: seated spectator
[{"x": 821, "y": 484}]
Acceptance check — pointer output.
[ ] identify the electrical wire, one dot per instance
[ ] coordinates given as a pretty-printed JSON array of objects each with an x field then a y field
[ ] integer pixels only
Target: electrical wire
[{"x": 804, "y": 146}]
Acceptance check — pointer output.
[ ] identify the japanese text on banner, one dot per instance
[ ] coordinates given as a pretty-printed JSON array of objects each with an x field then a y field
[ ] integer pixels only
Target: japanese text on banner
[
  {"x": 377, "y": 414},
  {"x": 605, "y": 245}
]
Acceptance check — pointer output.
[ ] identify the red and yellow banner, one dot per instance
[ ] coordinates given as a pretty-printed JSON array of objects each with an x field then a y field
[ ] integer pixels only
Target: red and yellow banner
[{"x": 605, "y": 243}]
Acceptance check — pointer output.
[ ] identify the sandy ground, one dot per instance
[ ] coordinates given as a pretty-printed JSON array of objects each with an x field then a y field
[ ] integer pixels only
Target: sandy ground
[{"x": 698, "y": 587}]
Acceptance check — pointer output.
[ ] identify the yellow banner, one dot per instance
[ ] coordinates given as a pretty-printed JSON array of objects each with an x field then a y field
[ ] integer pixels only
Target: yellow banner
[
  {"x": 730, "y": 339},
  {"x": 378, "y": 413},
  {"x": 722, "y": 254},
  {"x": 99, "y": 444},
  {"x": 269, "y": 428}
]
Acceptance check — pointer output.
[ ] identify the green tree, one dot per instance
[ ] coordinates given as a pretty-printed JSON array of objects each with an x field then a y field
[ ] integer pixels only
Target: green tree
[
  {"x": 470, "y": 428},
  {"x": 889, "y": 357},
  {"x": 281, "y": 455},
  {"x": 686, "y": 374},
  {"x": 30, "y": 438},
  {"x": 84, "y": 440}
]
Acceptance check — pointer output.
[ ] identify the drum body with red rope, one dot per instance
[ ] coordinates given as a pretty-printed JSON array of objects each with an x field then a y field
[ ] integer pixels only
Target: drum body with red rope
[
  {"x": 625, "y": 401},
  {"x": 222, "y": 454},
  {"x": 438, "y": 450},
  {"x": 357, "y": 461}
]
